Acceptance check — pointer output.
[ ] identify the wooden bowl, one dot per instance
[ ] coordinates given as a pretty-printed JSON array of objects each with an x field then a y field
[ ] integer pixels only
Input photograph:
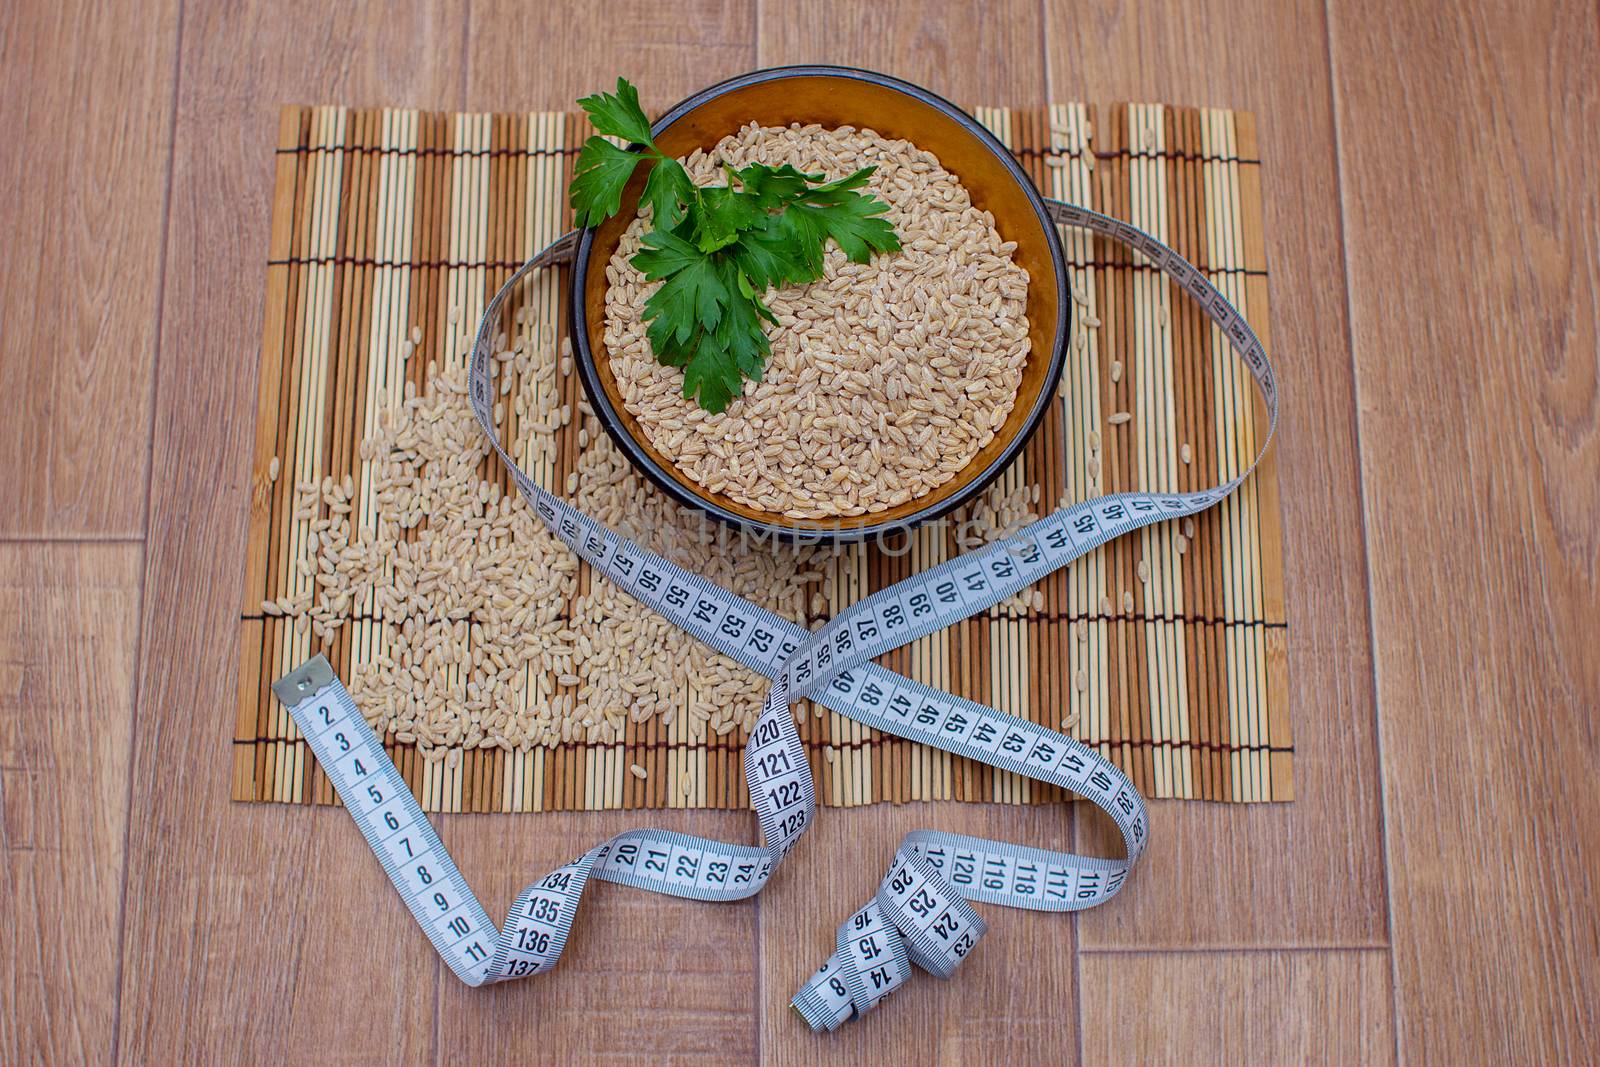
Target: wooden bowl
[{"x": 839, "y": 96}]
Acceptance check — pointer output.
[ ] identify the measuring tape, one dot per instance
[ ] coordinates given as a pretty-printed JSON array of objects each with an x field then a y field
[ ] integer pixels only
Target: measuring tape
[{"x": 922, "y": 912}]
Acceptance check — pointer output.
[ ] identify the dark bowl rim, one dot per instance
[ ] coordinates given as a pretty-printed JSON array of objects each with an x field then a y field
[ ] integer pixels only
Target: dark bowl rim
[{"x": 641, "y": 460}]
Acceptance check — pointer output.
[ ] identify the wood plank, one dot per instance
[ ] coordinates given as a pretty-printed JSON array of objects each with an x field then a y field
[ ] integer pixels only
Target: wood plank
[
  {"x": 1010, "y": 1002},
  {"x": 972, "y": 53},
  {"x": 1236, "y": 1007},
  {"x": 85, "y": 176},
  {"x": 69, "y": 625},
  {"x": 645, "y": 978},
  {"x": 847, "y": 852},
  {"x": 1469, "y": 187},
  {"x": 250, "y": 930},
  {"x": 1209, "y": 868},
  {"x": 668, "y": 51}
]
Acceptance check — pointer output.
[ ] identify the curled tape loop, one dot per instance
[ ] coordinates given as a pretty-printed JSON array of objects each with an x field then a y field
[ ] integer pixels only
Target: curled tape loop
[{"x": 922, "y": 912}]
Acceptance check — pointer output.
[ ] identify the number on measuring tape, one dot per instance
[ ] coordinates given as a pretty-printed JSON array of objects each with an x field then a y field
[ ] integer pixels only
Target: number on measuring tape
[{"x": 922, "y": 912}]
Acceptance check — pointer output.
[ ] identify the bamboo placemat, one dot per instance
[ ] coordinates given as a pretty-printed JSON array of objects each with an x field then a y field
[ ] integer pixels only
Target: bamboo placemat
[{"x": 384, "y": 218}]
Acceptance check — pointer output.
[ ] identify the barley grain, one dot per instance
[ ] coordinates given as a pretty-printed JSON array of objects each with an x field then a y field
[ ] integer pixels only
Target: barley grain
[
  {"x": 473, "y": 587},
  {"x": 483, "y": 589},
  {"x": 883, "y": 367}
]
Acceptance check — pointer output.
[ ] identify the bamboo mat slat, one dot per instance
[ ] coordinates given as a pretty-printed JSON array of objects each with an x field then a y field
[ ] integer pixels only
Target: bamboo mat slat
[{"x": 388, "y": 220}]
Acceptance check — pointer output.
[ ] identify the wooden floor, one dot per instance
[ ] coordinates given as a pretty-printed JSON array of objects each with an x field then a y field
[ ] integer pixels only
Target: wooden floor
[{"x": 1433, "y": 225}]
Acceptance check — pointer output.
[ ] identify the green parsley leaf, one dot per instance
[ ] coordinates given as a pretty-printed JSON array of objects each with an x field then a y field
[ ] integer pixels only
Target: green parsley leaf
[
  {"x": 716, "y": 250},
  {"x": 602, "y": 172},
  {"x": 774, "y": 187},
  {"x": 665, "y": 254},
  {"x": 692, "y": 296},
  {"x": 669, "y": 192},
  {"x": 713, "y": 373},
  {"x": 771, "y": 258},
  {"x": 666, "y": 346},
  {"x": 852, "y": 223},
  {"x": 721, "y": 214},
  {"x": 664, "y": 343},
  {"x": 740, "y": 332},
  {"x": 802, "y": 238},
  {"x": 829, "y": 192},
  {"x": 619, "y": 115}
]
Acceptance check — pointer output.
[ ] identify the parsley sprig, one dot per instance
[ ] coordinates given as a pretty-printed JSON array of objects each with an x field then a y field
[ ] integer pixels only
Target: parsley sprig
[{"x": 716, "y": 249}]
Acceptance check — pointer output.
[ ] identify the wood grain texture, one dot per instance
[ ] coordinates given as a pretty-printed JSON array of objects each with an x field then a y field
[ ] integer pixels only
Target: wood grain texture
[
  {"x": 990, "y": 53},
  {"x": 250, "y": 934},
  {"x": 1468, "y": 125},
  {"x": 1318, "y": 857},
  {"x": 977, "y": 53},
  {"x": 1236, "y": 1007},
  {"x": 986, "y": 53},
  {"x": 1012, "y": 1000},
  {"x": 647, "y": 978},
  {"x": 69, "y": 625},
  {"x": 532, "y": 57},
  {"x": 1467, "y": 137},
  {"x": 86, "y": 103}
]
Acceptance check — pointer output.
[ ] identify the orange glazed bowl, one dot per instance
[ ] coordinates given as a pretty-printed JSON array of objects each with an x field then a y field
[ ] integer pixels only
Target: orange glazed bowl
[{"x": 833, "y": 97}]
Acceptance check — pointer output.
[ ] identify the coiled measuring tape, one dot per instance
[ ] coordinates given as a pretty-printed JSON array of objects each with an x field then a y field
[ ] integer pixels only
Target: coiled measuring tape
[{"x": 922, "y": 911}]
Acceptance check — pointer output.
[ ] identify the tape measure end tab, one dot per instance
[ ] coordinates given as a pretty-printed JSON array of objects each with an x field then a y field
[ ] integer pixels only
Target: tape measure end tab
[
  {"x": 305, "y": 681},
  {"x": 812, "y": 1026}
]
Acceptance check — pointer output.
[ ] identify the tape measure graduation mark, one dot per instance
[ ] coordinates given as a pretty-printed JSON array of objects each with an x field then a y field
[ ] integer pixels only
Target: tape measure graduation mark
[{"x": 921, "y": 913}]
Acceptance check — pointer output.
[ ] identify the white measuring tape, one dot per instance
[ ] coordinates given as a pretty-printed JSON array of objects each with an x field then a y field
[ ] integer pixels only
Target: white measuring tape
[{"x": 921, "y": 912}]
